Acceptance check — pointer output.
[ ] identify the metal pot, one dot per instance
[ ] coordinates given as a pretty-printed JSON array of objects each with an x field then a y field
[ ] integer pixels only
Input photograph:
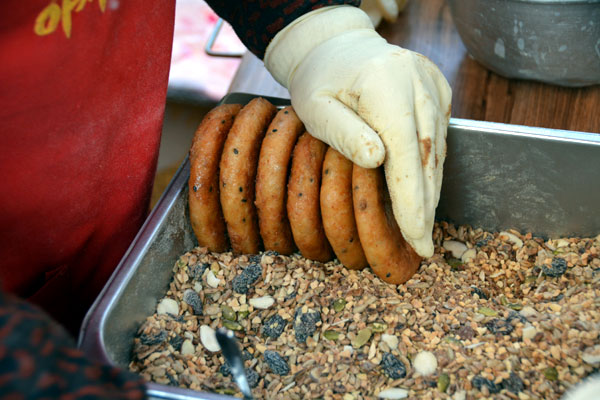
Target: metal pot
[{"x": 551, "y": 41}]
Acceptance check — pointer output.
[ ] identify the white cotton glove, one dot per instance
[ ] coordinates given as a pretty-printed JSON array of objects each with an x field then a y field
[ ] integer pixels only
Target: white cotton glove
[
  {"x": 351, "y": 88},
  {"x": 386, "y": 9}
]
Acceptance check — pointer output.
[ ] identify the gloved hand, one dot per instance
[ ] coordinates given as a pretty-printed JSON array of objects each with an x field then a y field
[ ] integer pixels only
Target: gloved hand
[
  {"x": 386, "y": 9},
  {"x": 371, "y": 101}
]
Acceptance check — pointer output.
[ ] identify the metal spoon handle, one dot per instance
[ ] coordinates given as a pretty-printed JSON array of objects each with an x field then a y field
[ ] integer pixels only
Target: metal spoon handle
[{"x": 233, "y": 357}]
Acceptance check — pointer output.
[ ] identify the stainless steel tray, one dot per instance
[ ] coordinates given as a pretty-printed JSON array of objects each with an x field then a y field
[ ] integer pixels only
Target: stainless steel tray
[{"x": 496, "y": 176}]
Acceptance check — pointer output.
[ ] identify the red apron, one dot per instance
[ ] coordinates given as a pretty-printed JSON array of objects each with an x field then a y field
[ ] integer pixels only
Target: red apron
[{"x": 82, "y": 96}]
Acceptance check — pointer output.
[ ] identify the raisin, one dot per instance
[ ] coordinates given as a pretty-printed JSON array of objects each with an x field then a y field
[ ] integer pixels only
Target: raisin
[
  {"x": 479, "y": 381},
  {"x": 393, "y": 367},
  {"x": 465, "y": 332},
  {"x": 172, "y": 380},
  {"x": 515, "y": 315},
  {"x": 478, "y": 292},
  {"x": 246, "y": 278},
  {"x": 558, "y": 297},
  {"x": 290, "y": 296},
  {"x": 483, "y": 242},
  {"x": 274, "y": 326},
  {"x": 151, "y": 340},
  {"x": 193, "y": 300},
  {"x": 176, "y": 341},
  {"x": 254, "y": 258},
  {"x": 513, "y": 383},
  {"x": 224, "y": 370},
  {"x": 246, "y": 355},
  {"x": 499, "y": 326},
  {"x": 277, "y": 363},
  {"x": 305, "y": 324},
  {"x": 198, "y": 270},
  {"x": 557, "y": 268},
  {"x": 252, "y": 377}
]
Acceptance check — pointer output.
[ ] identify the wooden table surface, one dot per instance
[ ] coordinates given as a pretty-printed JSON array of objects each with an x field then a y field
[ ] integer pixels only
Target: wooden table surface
[{"x": 427, "y": 27}]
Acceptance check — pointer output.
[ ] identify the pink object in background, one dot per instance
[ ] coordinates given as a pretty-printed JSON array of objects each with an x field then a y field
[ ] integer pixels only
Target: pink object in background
[{"x": 192, "y": 70}]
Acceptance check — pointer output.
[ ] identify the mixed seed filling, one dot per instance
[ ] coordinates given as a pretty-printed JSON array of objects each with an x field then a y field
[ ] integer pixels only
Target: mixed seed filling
[{"x": 502, "y": 315}]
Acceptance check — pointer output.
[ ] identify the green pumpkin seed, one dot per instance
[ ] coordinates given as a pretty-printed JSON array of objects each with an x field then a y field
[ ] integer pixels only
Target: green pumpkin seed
[
  {"x": 443, "y": 382},
  {"x": 487, "y": 312},
  {"x": 451, "y": 339},
  {"x": 339, "y": 304},
  {"x": 551, "y": 374},
  {"x": 361, "y": 338},
  {"x": 214, "y": 267},
  {"x": 226, "y": 391},
  {"x": 378, "y": 327},
  {"x": 530, "y": 279},
  {"x": 515, "y": 306},
  {"x": 454, "y": 262},
  {"x": 228, "y": 312},
  {"x": 242, "y": 314},
  {"x": 331, "y": 335},
  {"x": 234, "y": 326}
]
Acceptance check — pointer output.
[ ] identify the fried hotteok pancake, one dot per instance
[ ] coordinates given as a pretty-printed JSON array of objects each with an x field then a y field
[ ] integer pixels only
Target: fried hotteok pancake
[
  {"x": 204, "y": 202},
  {"x": 303, "y": 204},
  {"x": 271, "y": 181},
  {"x": 338, "y": 212},
  {"x": 388, "y": 254},
  {"x": 238, "y": 173}
]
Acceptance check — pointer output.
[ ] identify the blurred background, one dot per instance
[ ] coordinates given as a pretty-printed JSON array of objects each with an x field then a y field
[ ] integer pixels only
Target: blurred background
[{"x": 197, "y": 81}]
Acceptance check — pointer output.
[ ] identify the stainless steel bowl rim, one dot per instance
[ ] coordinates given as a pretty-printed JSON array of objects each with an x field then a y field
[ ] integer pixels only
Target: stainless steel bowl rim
[
  {"x": 554, "y": 2},
  {"x": 533, "y": 39}
]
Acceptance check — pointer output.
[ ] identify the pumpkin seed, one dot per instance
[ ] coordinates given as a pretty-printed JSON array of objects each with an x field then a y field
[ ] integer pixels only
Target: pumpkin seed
[
  {"x": 228, "y": 313},
  {"x": 454, "y": 263},
  {"x": 234, "y": 326},
  {"x": 331, "y": 335},
  {"x": 488, "y": 312},
  {"x": 226, "y": 391},
  {"x": 451, "y": 339},
  {"x": 214, "y": 267},
  {"x": 378, "y": 327},
  {"x": 443, "y": 382},
  {"x": 551, "y": 373},
  {"x": 361, "y": 338},
  {"x": 339, "y": 305},
  {"x": 515, "y": 306}
]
